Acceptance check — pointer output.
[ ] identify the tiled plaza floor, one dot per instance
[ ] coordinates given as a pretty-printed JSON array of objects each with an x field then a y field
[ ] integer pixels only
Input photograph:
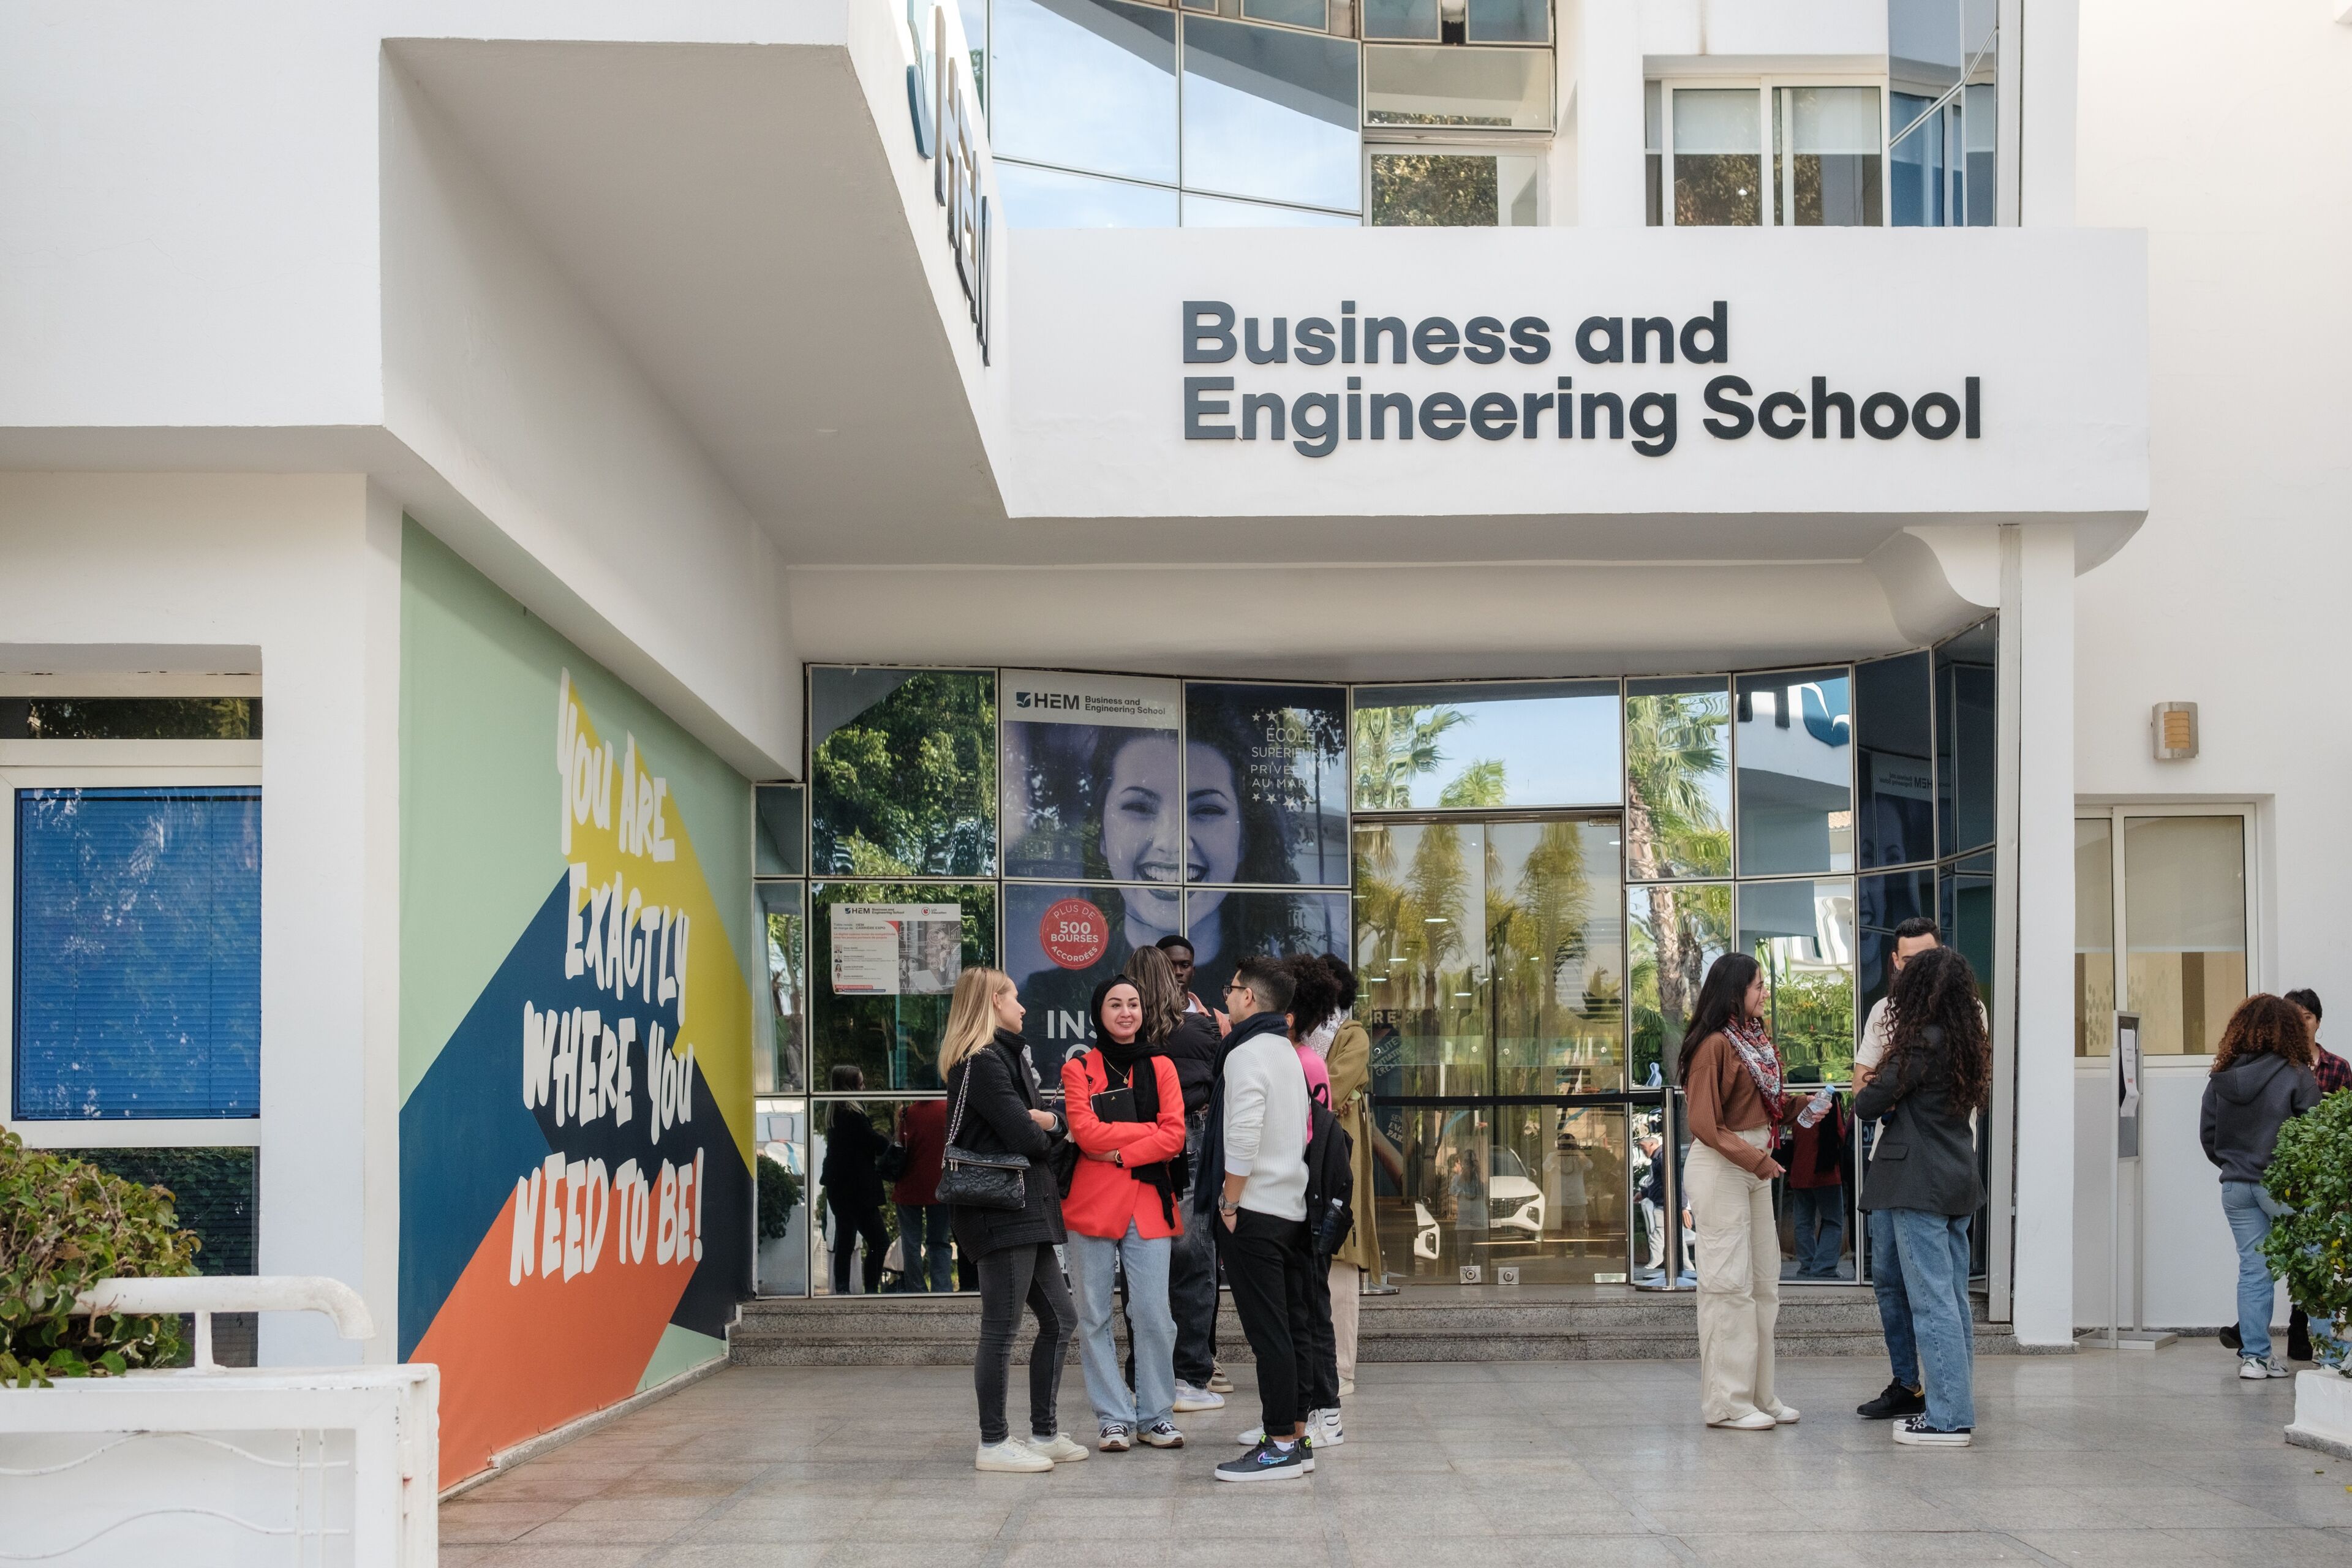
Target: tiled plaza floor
[{"x": 2080, "y": 1461}]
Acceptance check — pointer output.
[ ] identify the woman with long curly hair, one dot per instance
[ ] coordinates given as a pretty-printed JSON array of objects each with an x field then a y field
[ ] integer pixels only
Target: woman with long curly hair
[
  {"x": 1937, "y": 1074},
  {"x": 2261, "y": 1076}
]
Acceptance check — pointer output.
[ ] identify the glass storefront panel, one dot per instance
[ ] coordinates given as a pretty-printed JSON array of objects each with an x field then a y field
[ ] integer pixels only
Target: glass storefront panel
[
  {"x": 2184, "y": 929},
  {"x": 1228, "y": 923},
  {"x": 1677, "y": 778},
  {"x": 1419, "y": 188},
  {"x": 1421, "y": 955},
  {"x": 780, "y": 1131},
  {"x": 1085, "y": 84},
  {"x": 1881, "y": 904},
  {"x": 782, "y": 1067},
  {"x": 1498, "y": 744},
  {"x": 1060, "y": 942},
  {"x": 1794, "y": 745},
  {"x": 1826, "y": 160},
  {"x": 2094, "y": 936},
  {"x": 1718, "y": 157},
  {"x": 884, "y": 961},
  {"x": 883, "y": 1248},
  {"x": 1672, "y": 935},
  {"x": 1540, "y": 1189},
  {"x": 1093, "y": 778},
  {"x": 781, "y": 813},
  {"x": 1965, "y": 896},
  {"x": 1271, "y": 114},
  {"x": 1055, "y": 198},
  {"x": 1803, "y": 933},
  {"x": 1556, "y": 953},
  {"x": 903, "y": 771},
  {"x": 1968, "y": 738},
  {"x": 1266, "y": 783},
  {"x": 1894, "y": 761}
]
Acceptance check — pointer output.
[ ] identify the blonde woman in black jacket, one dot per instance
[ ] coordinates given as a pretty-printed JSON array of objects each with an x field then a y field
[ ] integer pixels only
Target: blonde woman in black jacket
[
  {"x": 994, "y": 1106},
  {"x": 1932, "y": 1081}
]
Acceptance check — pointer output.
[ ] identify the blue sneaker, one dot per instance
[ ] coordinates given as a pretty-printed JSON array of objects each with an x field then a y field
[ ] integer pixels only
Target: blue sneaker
[{"x": 1267, "y": 1462}]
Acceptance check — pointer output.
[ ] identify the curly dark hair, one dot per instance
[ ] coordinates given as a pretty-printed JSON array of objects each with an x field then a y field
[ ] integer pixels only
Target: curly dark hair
[
  {"x": 1346, "y": 977},
  {"x": 2264, "y": 1026},
  {"x": 1937, "y": 989},
  {"x": 1316, "y": 994}
]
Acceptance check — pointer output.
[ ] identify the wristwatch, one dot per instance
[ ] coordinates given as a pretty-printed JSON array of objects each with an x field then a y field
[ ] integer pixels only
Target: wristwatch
[{"x": 1225, "y": 1208}]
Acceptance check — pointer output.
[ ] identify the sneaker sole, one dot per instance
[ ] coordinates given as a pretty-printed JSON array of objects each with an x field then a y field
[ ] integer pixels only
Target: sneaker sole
[
  {"x": 1284, "y": 1473},
  {"x": 1192, "y": 1406},
  {"x": 1936, "y": 1440},
  {"x": 1001, "y": 1468},
  {"x": 1176, "y": 1442},
  {"x": 1108, "y": 1447}
]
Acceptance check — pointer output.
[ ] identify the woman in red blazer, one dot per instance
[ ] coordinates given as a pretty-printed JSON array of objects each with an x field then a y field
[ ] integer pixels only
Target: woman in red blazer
[{"x": 1122, "y": 1210}]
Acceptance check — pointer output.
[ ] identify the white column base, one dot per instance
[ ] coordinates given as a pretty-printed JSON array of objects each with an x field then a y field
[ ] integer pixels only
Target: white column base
[{"x": 2323, "y": 1412}]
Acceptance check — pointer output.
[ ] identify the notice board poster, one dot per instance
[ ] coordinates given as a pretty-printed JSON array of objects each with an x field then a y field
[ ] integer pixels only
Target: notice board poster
[{"x": 896, "y": 950}]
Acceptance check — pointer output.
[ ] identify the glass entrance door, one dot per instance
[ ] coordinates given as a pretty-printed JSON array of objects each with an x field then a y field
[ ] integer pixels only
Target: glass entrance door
[{"x": 1490, "y": 953}]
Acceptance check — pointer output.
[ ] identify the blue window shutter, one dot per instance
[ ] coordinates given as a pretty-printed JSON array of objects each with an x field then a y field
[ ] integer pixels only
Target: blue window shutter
[{"x": 138, "y": 961}]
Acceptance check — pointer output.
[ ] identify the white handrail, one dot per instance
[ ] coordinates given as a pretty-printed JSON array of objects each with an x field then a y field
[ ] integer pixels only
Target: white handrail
[{"x": 204, "y": 1294}]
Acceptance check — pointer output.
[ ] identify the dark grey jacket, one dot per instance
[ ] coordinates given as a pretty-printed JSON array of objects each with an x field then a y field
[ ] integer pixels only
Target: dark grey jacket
[
  {"x": 2244, "y": 1108},
  {"x": 996, "y": 1120},
  {"x": 1925, "y": 1157}
]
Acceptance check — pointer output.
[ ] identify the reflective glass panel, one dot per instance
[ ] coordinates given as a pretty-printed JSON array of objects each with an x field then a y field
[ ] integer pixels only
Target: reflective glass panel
[
  {"x": 1656, "y": 1229},
  {"x": 1093, "y": 780},
  {"x": 781, "y": 811},
  {"x": 1653, "y": 153},
  {"x": 1228, "y": 925},
  {"x": 1421, "y": 954},
  {"x": 900, "y": 1246},
  {"x": 884, "y": 959},
  {"x": 2185, "y": 929},
  {"x": 216, "y": 1193},
  {"x": 1967, "y": 739},
  {"x": 1556, "y": 952},
  {"x": 1979, "y": 109},
  {"x": 1314, "y": 15},
  {"x": 129, "y": 718},
  {"x": 1502, "y": 744},
  {"x": 1266, "y": 782},
  {"x": 1814, "y": 1203},
  {"x": 1965, "y": 897},
  {"x": 1508, "y": 21},
  {"x": 1220, "y": 212},
  {"x": 1540, "y": 1190},
  {"x": 1894, "y": 763},
  {"x": 1053, "y": 198},
  {"x": 1061, "y": 942},
  {"x": 1825, "y": 156},
  {"x": 1677, "y": 778},
  {"x": 1673, "y": 934},
  {"x": 1793, "y": 742},
  {"x": 1802, "y": 933},
  {"x": 782, "y": 1067},
  {"x": 779, "y": 1130},
  {"x": 1454, "y": 190},
  {"x": 1882, "y": 903},
  {"x": 1917, "y": 194},
  {"x": 1504, "y": 89},
  {"x": 2094, "y": 936},
  {"x": 903, "y": 771},
  {"x": 1718, "y": 161},
  {"x": 1400, "y": 19},
  {"x": 1270, "y": 114},
  {"x": 1085, "y": 84}
]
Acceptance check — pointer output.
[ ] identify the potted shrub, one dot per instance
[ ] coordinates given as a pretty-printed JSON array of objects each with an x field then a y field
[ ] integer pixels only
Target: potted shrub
[
  {"x": 2311, "y": 1249},
  {"x": 65, "y": 1224},
  {"x": 780, "y": 1194}
]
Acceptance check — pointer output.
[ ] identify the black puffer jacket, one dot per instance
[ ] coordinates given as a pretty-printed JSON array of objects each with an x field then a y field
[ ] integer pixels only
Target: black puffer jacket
[
  {"x": 1003, "y": 1091},
  {"x": 2245, "y": 1106},
  {"x": 1195, "y": 1048}
]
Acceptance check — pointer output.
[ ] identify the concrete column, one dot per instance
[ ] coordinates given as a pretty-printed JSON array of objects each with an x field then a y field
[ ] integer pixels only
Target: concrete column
[
  {"x": 1605, "y": 123},
  {"x": 2034, "y": 1176}
]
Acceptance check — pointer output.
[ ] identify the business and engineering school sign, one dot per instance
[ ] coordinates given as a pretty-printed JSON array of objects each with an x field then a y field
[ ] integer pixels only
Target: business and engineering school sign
[{"x": 1315, "y": 423}]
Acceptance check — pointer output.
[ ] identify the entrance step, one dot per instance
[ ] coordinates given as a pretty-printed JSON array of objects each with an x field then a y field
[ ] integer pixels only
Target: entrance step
[{"x": 1442, "y": 1325}]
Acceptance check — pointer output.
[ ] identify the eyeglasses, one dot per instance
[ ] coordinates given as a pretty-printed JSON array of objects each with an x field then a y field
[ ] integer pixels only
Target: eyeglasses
[{"x": 1234, "y": 985}]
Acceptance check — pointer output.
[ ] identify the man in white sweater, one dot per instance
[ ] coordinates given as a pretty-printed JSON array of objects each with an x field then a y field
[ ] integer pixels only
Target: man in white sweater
[{"x": 1261, "y": 1211}]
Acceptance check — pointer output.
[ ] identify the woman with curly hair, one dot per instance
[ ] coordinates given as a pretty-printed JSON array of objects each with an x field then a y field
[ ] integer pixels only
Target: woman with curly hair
[
  {"x": 1935, "y": 1077},
  {"x": 2261, "y": 1076}
]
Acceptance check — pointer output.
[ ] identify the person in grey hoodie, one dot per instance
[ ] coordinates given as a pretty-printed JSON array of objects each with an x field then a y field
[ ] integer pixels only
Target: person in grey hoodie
[{"x": 2261, "y": 1076}]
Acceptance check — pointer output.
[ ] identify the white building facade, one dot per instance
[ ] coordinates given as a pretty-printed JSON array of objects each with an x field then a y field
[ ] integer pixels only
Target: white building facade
[{"x": 950, "y": 487}]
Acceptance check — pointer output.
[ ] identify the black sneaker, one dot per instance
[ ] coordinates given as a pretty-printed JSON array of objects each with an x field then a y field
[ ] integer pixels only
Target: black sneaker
[
  {"x": 1267, "y": 1463},
  {"x": 2231, "y": 1340},
  {"x": 1895, "y": 1400},
  {"x": 2298, "y": 1337}
]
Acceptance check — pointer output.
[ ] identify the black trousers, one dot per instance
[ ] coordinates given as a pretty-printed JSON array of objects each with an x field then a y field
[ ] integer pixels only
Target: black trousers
[
  {"x": 1318, "y": 1362},
  {"x": 1193, "y": 1283},
  {"x": 1266, "y": 1263},
  {"x": 1008, "y": 1279},
  {"x": 849, "y": 1226}
]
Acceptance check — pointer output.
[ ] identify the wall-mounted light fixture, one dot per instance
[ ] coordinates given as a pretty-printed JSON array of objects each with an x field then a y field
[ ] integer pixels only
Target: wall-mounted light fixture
[{"x": 2172, "y": 730}]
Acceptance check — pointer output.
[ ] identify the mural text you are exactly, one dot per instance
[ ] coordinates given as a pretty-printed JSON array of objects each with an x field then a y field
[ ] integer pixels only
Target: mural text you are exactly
[{"x": 580, "y": 1063}]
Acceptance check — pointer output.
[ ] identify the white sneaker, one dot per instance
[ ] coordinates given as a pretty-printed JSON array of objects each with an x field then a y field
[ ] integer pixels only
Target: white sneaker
[
  {"x": 1161, "y": 1435},
  {"x": 1059, "y": 1449},
  {"x": 1011, "y": 1456},
  {"x": 1189, "y": 1398},
  {"x": 1115, "y": 1439},
  {"x": 1785, "y": 1415},
  {"x": 2255, "y": 1371},
  {"x": 1328, "y": 1433},
  {"x": 1347, "y": 1386},
  {"x": 1312, "y": 1421},
  {"x": 1754, "y": 1421},
  {"x": 1218, "y": 1382},
  {"x": 1253, "y": 1438}
]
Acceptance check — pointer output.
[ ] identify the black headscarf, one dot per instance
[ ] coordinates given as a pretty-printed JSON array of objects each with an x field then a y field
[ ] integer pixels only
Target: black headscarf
[{"x": 1124, "y": 1062}]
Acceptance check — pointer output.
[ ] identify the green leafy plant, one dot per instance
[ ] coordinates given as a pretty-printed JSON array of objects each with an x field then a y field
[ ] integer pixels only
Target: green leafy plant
[
  {"x": 65, "y": 1224},
  {"x": 780, "y": 1194},
  {"x": 2310, "y": 1173}
]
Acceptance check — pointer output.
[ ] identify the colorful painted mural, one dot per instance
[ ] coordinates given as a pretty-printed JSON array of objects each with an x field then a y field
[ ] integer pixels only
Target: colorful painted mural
[{"x": 576, "y": 1014}]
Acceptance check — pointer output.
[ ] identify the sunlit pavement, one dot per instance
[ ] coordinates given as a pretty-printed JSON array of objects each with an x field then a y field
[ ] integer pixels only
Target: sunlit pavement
[{"x": 2095, "y": 1459}]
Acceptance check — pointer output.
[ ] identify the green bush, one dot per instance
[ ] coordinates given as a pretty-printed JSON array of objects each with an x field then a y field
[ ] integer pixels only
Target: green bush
[
  {"x": 780, "y": 1194},
  {"x": 64, "y": 1226},
  {"x": 2311, "y": 1173}
]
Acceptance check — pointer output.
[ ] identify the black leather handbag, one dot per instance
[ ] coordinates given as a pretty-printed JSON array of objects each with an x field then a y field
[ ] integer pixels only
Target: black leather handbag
[{"x": 978, "y": 1181}]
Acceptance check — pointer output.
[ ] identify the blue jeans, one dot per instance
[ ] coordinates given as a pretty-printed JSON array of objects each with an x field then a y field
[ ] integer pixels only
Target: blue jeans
[
  {"x": 1894, "y": 1300},
  {"x": 1145, "y": 1263},
  {"x": 1819, "y": 1216},
  {"x": 926, "y": 1257},
  {"x": 1935, "y": 1252},
  {"x": 2242, "y": 1205}
]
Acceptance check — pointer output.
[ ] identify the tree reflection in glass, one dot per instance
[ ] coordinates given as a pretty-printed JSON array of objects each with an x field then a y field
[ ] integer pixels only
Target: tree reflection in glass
[
  {"x": 1671, "y": 935},
  {"x": 1678, "y": 779},
  {"x": 1420, "y": 905},
  {"x": 1556, "y": 946}
]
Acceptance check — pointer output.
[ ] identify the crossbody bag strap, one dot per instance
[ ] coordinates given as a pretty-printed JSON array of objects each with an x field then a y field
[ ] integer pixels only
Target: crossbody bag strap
[{"x": 955, "y": 1123}]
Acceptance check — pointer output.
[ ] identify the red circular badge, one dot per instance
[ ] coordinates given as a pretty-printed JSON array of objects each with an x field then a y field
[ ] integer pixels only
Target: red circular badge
[{"x": 1074, "y": 933}]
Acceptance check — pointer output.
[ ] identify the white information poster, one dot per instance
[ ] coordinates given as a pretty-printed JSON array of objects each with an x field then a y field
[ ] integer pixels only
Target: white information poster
[{"x": 896, "y": 950}]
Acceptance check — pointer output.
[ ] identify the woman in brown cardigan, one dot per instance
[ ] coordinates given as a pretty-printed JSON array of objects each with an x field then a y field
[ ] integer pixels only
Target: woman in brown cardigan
[
  {"x": 1730, "y": 1071},
  {"x": 1350, "y": 1062}
]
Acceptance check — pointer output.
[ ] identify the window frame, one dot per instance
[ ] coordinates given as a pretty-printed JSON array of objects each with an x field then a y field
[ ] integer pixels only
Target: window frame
[
  {"x": 113, "y": 765},
  {"x": 2115, "y": 814},
  {"x": 1763, "y": 86},
  {"x": 1488, "y": 142}
]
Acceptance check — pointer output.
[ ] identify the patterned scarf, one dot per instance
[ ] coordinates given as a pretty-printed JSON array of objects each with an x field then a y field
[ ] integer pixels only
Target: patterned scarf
[{"x": 1762, "y": 1061}]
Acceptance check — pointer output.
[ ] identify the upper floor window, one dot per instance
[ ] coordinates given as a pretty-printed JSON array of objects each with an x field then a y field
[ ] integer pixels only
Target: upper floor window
[{"x": 1802, "y": 156}]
